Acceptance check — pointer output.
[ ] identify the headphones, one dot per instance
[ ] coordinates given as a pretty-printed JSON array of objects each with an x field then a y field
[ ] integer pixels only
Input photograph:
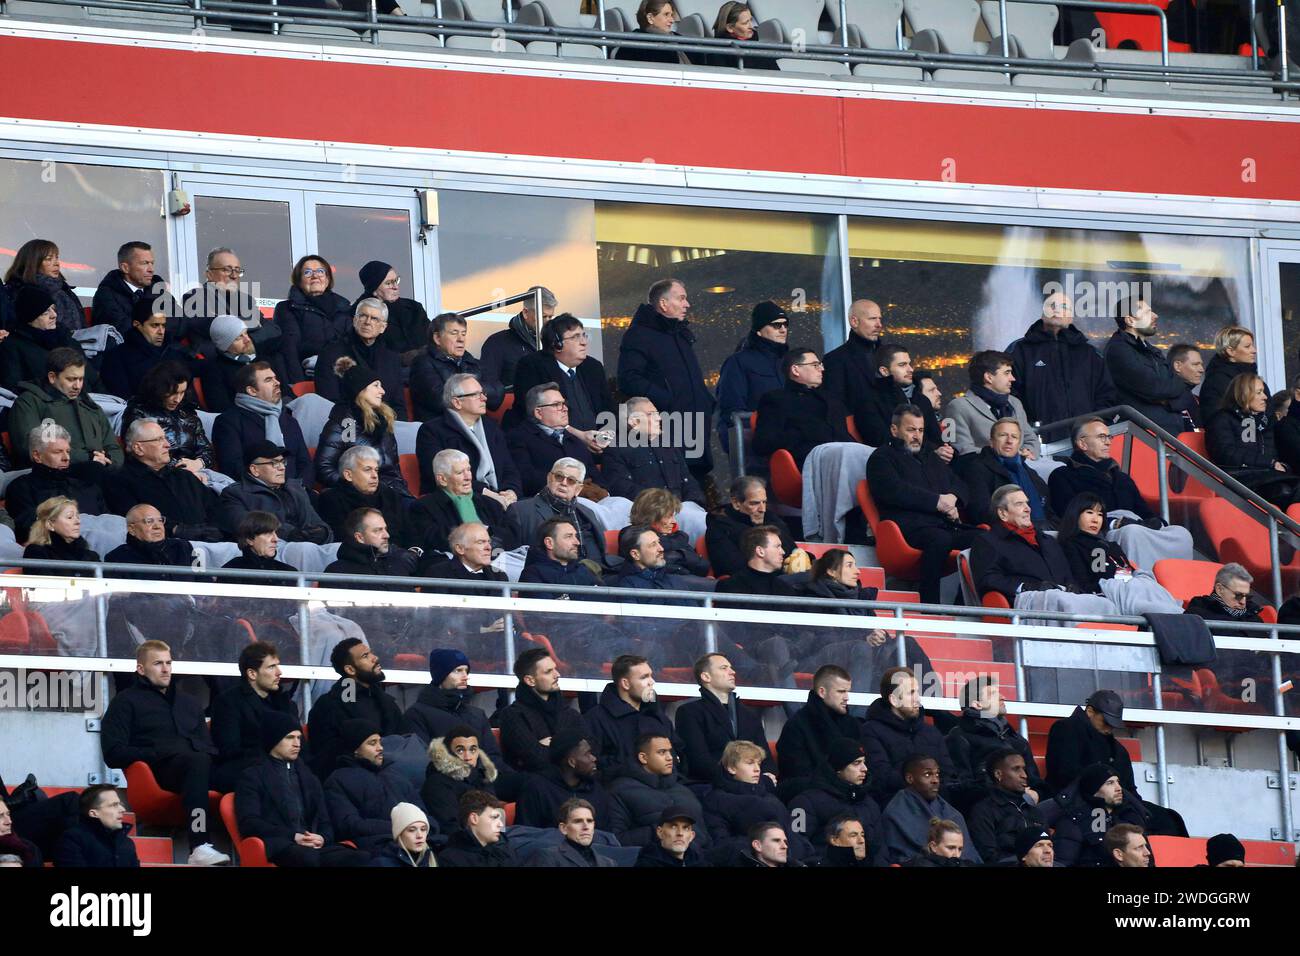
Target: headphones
[{"x": 552, "y": 337}]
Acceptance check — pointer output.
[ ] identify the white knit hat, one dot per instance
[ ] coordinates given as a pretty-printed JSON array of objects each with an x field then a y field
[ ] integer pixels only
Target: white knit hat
[{"x": 404, "y": 814}]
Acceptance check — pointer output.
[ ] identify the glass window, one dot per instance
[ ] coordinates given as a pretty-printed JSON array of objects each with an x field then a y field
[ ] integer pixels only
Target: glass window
[
  {"x": 350, "y": 236},
  {"x": 88, "y": 211},
  {"x": 1288, "y": 288},
  {"x": 949, "y": 289},
  {"x": 258, "y": 231}
]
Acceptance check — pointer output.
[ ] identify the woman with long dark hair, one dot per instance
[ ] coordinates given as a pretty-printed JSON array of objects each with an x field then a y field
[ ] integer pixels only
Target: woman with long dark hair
[
  {"x": 37, "y": 264},
  {"x": 654, "y": 17},
  {"x": 735, "y": 21},
  {"x": 163, "y": 395}
]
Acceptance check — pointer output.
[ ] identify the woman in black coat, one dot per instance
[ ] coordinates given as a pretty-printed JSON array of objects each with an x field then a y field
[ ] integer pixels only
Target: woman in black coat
[
  {"x": 312, "y": 317},
  {"x": 1234, "y": 354},
  {"x": 1092, "y": 558},
  {"x": 1239, "y": 439},
  {"x": 361, "y": 417},
  {"x": 56, "y": 536},
  {"x": 736, "y": 22},
  {"x": 162, "y": 395},
  {"x": 37, "y": 264},
  {"x": 654, "y": 17},
  {"x": 451, "y": 775},
  {"x": 34, "y": 334}
]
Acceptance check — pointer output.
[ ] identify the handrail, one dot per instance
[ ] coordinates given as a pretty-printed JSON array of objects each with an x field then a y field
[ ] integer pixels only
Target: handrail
[
  {"x": 535, "y": 294},
  {"x": 1149, "y": 9},
  {"x": 203, "y": 10}
]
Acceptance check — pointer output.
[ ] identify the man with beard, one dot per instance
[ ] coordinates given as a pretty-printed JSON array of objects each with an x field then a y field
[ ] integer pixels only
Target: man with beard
[
  {"x": 895, "y": 384},
  {"x": 807, "y": 737},
  {"x": 538, "y": 715},
  {"x": 1099, "y": 804},
  {"x": 983, "y": 731},
  {"x": 259, "y": 414},
  {"x": 237, "y": 714},
  {"x": 358, "y": 694},
  {"x": 674, "y": 843},
  {"x": 573, "y": 774},
  {"x": 895, "y": 730},
  {"x": 997, "y": 820},
  {"x": 366, "y": 549},
  {"x": 627, "y": 711},
  {"x": 361, "y": 792},
  {"x": 1140, "y": 371}
]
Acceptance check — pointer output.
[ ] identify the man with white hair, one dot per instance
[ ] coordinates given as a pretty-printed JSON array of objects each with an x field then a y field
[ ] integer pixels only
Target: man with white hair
[
  {"x": 188, "y": 506},
  {"x": 50, "y": 477},
  {"x": 362, "y": 344},
  {"x": 1231, "y": 601},
  {"x": 559, "y": 500},
  {"x": 464, "y": 426},
  {"x": 453, "y": 502},
  {"x": 503, "y": 350},
  {"x": 361, "y": 488}
]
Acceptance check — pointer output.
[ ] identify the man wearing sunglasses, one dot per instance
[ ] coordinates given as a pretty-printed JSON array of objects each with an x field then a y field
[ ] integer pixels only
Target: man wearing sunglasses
[
  {"x": 559, "y": 500},
  {"x": 754, "y": 369}
]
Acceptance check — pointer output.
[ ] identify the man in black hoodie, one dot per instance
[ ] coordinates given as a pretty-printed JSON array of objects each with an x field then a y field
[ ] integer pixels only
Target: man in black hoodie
[
  {"x": 361, "y": 792},
  {"x": 657, "y": 359},
  {"x": 150, "y": 722},
  {"x": 238, "y": 713},
  {"x": 502, "y": 350},
  {"x": 627, "y": 711},
  {"x": 1059, "y": 374},
  {"x": 896, "y": 729},
  {"x": 996, "y": 821},
  {"x": 839, "y": 788},
  {"x": 538, "y": 715},
  {"x": 50, "y": 477},
  {"x": 807, "y": 737},
  {"x": 573, "y": 774},
  {"x": 851, "y": 368},
  {"x": 481, "y": 839},
  {"x": 357, "y": 694},
  {"x": 801, "y": 415},
  {"x": 707, "y": 725}
]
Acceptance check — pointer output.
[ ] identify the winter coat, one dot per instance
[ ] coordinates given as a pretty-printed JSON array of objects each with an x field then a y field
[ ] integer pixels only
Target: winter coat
[
  {"x": 502, "y": 351},
  {"x": 24, "y": 352},
  {"x": 680, "y": 556},
  {"x": 654, "y": 855},
  {"x": 705, "y": 728},
  {"x": 332, "y": 443},
  {"x": 217, "y": 373},
  {"x": 75, "y": 552},
  {"x": 355, "y": 559},
  {"x": 448, "y": 778},
  {"x": 298, "y": 519},
  {"x": 71, "y": 313},
  {"x": 798, "y": 419},
  {"x": 201, "y": 305},
  {"x": 115, "y": 301},
  {"x": 723, "y": 531},
  {"x": 972, "y": 418},
  {"x": 628, "y": 471},
  {"x": 90, "y": 844},
  {"x": 732, "y": 807},
  {"x": 267, "y": 808},
  {"x": 530, "y": 719},
  {"x": 539, "y": 569},
  {"x": 438, "y": 710},
  {"x": 360, "y": 797},
  {"x": 1226, "y": 445},
  {"x": 615, "y": 727},
  {"x": 395, "y": 856},
  {"x": 1080, "y": 835},
  {"x": 906, "y": 487},
  {"x": 237, "y": 430},
  {"x": 975, "y": 739},
  {"x": 169, "y": 552},
  {"x": 1002, "y": 561},
  {"x": 827, "y": 797},
  {"x": 1104, "y": 478},
  {"x": 23, "y": 495},
  {"x": 441, "y": 433},
  {"x": 889, "y": 740},
  {"x": 237, "y": 720},
  {"x": 182, "y": 427},
  {"x": 325, "y": 722},
  {"x": 123, "y": 366},
  {"x": 997, "y": 820},
  {"x": 1073, "y": 744},
  {"x": 568, "y": 854},
  {"x": 638, "y": 799},
  {"x": 84, "y": 420},
  {"x": 1216, "y": 386},
  {"x": 429, "y": 374},
  {"x": 1286, "y": 437},
  {"x": 805, "y": 742},
  {"x": 143, "y": 723},
  {"x": 434, "y": 516},
  {"x": 408, "y": 328},
  {"x": 984, "y": 474},
  {"x": 1143, "y": 379},
  {"x": 535, "y": 449},
  {"x": 545, "y": 792},
  {"x": 748, "y": 374},
  {"x": 527, "y": 515},
  {"x": 335, "y": 504},
  {"x": 1059, "y": 376},
  {"x": 656, "y": 359},
  {"x": 850, "y": 370},
  {"x": 308, "y": 323},
  {"x": 464, "y": 850},
  {"x": 189, "y": 505},
  {"x": 379, "y": 358},
  {"x": 907, "y": 826},
  {"x": 1082, "y": 551},
  {"x": 874, "y": 412}
]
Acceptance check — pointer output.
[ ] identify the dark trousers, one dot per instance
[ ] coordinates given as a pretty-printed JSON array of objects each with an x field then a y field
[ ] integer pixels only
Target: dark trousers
[
  {"x": 328, "y": 855},
  {"x": 934, "y": 545},
  {"x": 225, "y": 776},
  {"x": 188, "y": 774}
]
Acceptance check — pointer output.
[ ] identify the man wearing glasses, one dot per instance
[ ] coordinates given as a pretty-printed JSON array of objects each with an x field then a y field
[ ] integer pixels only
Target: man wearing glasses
[
  {"x": 545, "y": 436},
  {"x": 150, "y": 477},
  {"x": 224, "y": 292},
  {"x": 465, "y": 427},
  {"x": 754, "y": 369},
  {"x": 800, "y": 415},
  {"x": 581, "y": 378},
  {"x": 1230, "y": 600},
  {"x": 147, "y": 542},
  {"x": 559, "y": 500},
  {"x": 363, "y": 344},
  {"x": 264, "y": 487}
]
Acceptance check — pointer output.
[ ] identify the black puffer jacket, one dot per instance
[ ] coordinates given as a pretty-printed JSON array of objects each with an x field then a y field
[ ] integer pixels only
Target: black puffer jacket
[
  {"x": 544, "y": 793},
  {"x": 307, "y": 324},
  {"x": 997, "y": 820},
  {"x": 268, "y": 808},
  {"x": 23, "y": 355},
  {"x": 1217, "y": 383},
  {"x": 448, "y": 778},
  {"x": 530, "y": 719},
  {"x": 889, "y": 740},
  {"x": 335, "y": 504},
  {"x": 124, "y": 365},
  {"x": 361, "y": 796},
  {"x": 379, "y": 358},
  {"x": 829, "y": 796},
  {"x": 438, "y": 710},
  {"x": 732, "y": 807},
  {"x": 182, "y": 427},
  {"x": 354, "y": 558},
  {"x": 332, "y": 443},
  {"x": 429, "y": 375},
  {"x": 657, "y": 359},
  {"x": 638, "y": 799},
  {"x": 1079, "y": 839},
  {"x": 975, "y": 739},
  {"x": 90, "y": 844}
]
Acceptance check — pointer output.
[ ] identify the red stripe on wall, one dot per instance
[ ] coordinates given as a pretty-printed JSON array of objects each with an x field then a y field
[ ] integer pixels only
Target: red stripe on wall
[{"x": 607, "y": 121}]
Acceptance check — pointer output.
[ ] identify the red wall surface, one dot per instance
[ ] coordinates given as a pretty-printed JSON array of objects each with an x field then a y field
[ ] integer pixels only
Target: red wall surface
[{"x": 601, "y": 120}]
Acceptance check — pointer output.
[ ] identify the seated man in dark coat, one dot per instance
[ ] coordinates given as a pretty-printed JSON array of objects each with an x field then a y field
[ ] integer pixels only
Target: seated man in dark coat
[
  {"x": 577, "y": 822},
  {"x": 357, "y": 694},
  {"x": 1000, "y": 463},
  {"x": 707, "y": 725},
  {"x": 481, "y": 840},
  {"x": 1100, "y": 803},
  {"x": 747, "y": 509},
  {"x": 238, "y": 713},
  {"x": 150, "y": 477},
  {"x": 642, "y": 792},
  {"x": 997, "y": 820},
  {"x": 258, "y": 414},
  {"x": 502, "y": 351},
  {"x": 280, "y": 801},
  {"x": 363, "y": 344},
  {"x": 100, "y": 839},
  {"x": 150, "y": 722},
  {"x": 229, "y": 351},
  {"x": 647, "y": 461},
  {"x": 146, "y": 345},
  {"x": 1188, "y": 365},
  {"x": 801, "y": 415},
  {"x": 366, "y": 548},
  {"x": 581, "y": 378},
  {"x": 132, "y": 282},
  {"x": 892, "y": 386},
  {"x": 465, "y": 426},
  {"x": 538, "y": 715},
  {"x": 264, "y": 487},
  {"x": 674, "y": 841},
  {"x": 544, "y": 436},
  {"x": 916, "y": 489},
  {"x": 457, "y": 765},
  {"x": 50, "y": 477},
  {"x": 446, "y": 356},
  {"x": 553, "y": 559},
  {"x": 559, "y": 499},
  {"x": 1011, "y": 558},
  {"x": 1231, "y": 600},
  {"x": 1140, "y": 373},
  {"x": 572, "y": 775},
  {"x": 147, "y": 542},
  {"x": 839, "y": 787},
  {"x": 361, "y": 487},
  {"x": 754, "y": 369},
  {"x": 982, "y": 731},
  {"x": 807, "y": 737},
  {"x": 908, "y": 814},
  {"x": 361, "y": 792},
  {"x": 1087, "y": 737},
  {"x": 1090, "y": 468},
  {"x": 628, "y": 710},
  {"x": 1058, "y": 372},
  {"x": 453, "y": 500},
  {"x": 896, "y": 730}
]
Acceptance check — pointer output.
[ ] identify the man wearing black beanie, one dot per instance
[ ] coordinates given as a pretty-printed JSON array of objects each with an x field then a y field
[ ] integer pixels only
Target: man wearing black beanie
[
  {"x": 1098, "y": 805},
  {"x": 838, "y": 787},
  {"x": 1034, "y": 848},
  {"x": 754, "y": 369},
  {"x": 1224, "y": 849},
  {"x": 573, "y": 773},
  {"x": 361, "y": 793}
]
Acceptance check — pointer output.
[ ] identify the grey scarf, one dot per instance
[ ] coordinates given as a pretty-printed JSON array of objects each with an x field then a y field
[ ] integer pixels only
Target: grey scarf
[
  {"x": 486, "y": 471},
  {"x": 270, "y": 412}
]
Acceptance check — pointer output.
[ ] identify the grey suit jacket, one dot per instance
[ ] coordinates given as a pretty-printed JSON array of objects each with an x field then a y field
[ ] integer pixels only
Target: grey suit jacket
[{"x": 971, "y": 419}]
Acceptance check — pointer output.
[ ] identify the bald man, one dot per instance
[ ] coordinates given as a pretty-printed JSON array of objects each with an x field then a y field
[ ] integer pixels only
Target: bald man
[{"x": 851, "y": 367}]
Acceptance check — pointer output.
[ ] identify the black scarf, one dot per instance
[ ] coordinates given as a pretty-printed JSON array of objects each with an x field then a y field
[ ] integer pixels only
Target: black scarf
[{"x": 1001, "y": 404}]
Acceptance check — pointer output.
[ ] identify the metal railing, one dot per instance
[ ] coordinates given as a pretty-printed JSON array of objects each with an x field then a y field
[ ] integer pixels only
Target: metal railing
[
  {"x": 534, "y": 295},
  {"x": 368, "y": 23}
]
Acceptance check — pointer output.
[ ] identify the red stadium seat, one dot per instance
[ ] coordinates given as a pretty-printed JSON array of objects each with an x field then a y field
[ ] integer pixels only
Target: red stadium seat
[
  {"x": 510, "y": 814},
  {"x": 410, "y": 465},
  {"x": 300, "y": 389},
  {"x": 897, "y": 557},
  {"x": 410, "y": 404},
  {"x": 251, "y": 851},
  {"x": 198, "y": 393},
  {"x": 853, "y": 430},
  {"x": 505, "y": 406},
  {"x": 155, "y": 806},
  {"x": 611, "y": 541},
  {"x": 1239, "y": 537},
  {"x": 787, "y": 483},
  {"x": 1186, "y": 579}
]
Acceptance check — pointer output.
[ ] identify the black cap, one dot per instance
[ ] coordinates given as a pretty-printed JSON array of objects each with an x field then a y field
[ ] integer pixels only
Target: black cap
[
  {"x": 264, "y": 449},
  {"x": 677, "y": 813},
  {"x": 1027, "y": 838},
  {"x": 1108, "y": 704},
  {"x": 765, "y": 313},
  {"x": 1223, "y": 847}
]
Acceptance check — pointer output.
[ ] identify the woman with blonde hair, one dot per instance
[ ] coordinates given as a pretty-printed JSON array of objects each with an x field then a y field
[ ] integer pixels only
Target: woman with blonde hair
[
  {"x": 360, "y": 417},
  {"x": 56, "y": 535},
  {"x": 1239, "y": 438},
  {"x": 1234, "y": 354}
]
